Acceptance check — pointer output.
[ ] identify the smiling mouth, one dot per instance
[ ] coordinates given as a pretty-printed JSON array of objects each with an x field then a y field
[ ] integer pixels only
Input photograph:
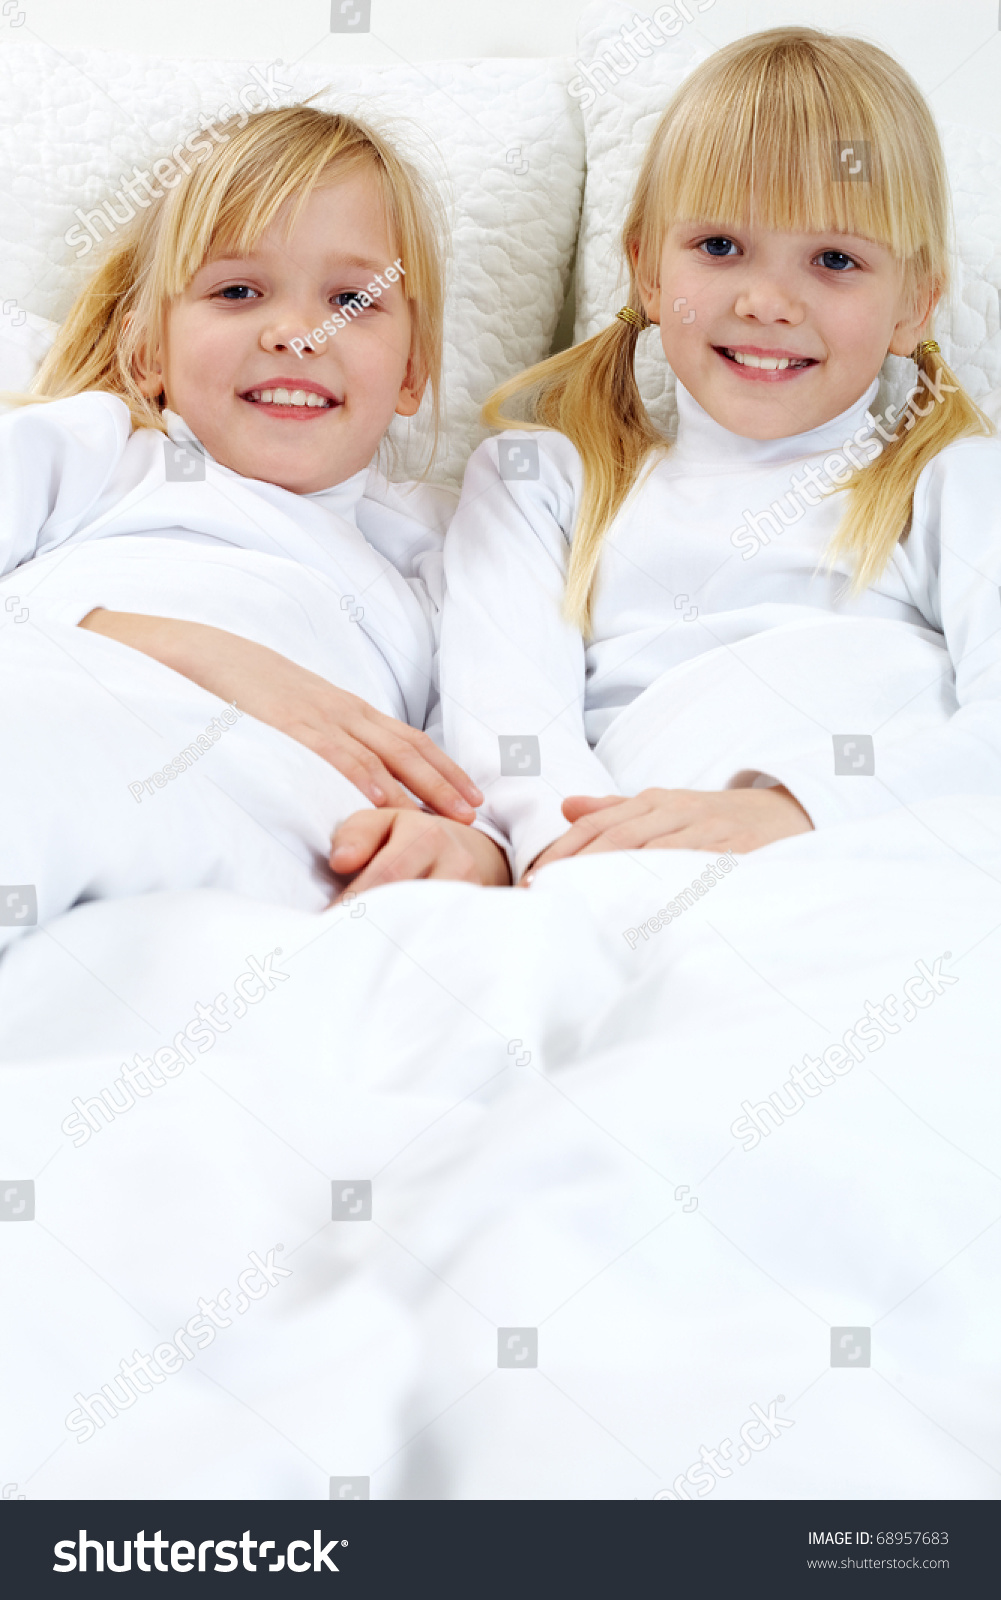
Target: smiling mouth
[
  {"x": 765, "y": 363},
  {"x": 291, "y": 401}
]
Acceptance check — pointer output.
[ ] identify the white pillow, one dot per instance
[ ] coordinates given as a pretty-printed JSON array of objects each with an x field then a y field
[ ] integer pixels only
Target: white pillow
[
  {"x": 24, "y": 340},
  {"x": 502, "y": 138},
  {"x": 618, "y": 125}
]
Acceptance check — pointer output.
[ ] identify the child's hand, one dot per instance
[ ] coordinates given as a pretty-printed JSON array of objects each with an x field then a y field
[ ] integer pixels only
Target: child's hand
[
  {"x": 370, "y": 749},
  {"x": 394, "y": 846},
  {"x": 676, "y": 819}
]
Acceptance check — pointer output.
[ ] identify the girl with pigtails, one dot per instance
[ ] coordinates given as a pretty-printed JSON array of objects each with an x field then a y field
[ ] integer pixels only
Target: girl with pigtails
[{"x": 787, "y": 616}]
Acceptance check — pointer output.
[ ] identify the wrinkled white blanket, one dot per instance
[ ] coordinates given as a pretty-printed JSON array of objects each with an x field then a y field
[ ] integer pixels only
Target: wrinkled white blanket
[
  {"x": 546, "y": 1112},
  {"x": 125, "y": 778},
  {"x": 654, "y": 1178}
]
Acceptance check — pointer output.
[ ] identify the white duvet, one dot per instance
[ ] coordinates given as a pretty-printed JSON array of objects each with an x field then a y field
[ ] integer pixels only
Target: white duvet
[{"x": 556, "y": 1097}]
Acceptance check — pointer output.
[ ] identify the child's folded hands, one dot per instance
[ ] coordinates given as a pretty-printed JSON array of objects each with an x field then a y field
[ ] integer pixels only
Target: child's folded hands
[
  {"x": 390, "y": 846},
  {"x": 676, "y": 819},
  {"x": 379, "y": 754}
]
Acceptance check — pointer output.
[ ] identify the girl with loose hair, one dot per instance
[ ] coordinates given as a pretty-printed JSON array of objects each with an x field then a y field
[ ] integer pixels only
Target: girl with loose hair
[
  {"x": 657, "y": 640},
  {"x": 195, "y": 476},
  {"x": 259, "y": 168}
]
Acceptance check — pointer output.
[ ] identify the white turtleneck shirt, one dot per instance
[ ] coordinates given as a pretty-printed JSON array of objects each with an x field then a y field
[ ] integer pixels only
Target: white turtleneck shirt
[
  {"x": 724, "y": 537},
  {"x": 346, "y": 581}
]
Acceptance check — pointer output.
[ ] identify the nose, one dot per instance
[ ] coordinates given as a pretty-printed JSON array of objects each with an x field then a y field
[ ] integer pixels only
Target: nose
[
  {"x": 278, "y": 336},
  {"x": 766, "y": 295}
]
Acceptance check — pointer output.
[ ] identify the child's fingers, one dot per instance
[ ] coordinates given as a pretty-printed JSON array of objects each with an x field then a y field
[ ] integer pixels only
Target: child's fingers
[
  {"x": 362, "y": 767},
  {"x": 580, "y": 805},
  {"x": 426, "y": 771},
  {"x": 632, "y": 833},
  {"x": 685, "y": 839},
  {"x": 413, "y": 854},
  {"x": 357, "y": 840},
  {"x": 565, "y": 846},
  {"x": 444, "y": 764},
  {"x": 591, "y": 827}
]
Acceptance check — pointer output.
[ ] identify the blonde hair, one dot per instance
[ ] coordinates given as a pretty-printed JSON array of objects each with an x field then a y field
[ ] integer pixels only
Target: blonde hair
[
  {"x": 223, "y": 205},
  {"x": 758, "y": 126}
]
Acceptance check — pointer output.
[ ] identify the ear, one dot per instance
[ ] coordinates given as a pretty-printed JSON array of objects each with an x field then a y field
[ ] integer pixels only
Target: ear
[
  {"x": 649, "y": 289},
  {"x": 149, "y": 374},
  {"x": 146, "y": 368},
  {"x": 411, "y": 391},
  {"x": 915, "y": 326}
]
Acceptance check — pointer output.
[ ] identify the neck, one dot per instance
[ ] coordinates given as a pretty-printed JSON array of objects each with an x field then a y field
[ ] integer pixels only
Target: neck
[
  {"x": 701, "y": 437},
  {"x": 341, "y": 497}
]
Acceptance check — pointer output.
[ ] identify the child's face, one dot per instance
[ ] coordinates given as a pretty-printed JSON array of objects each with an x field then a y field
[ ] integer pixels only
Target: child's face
[
  {"x": 833, "y": 299},
  {"x": 228, "y": 339}
]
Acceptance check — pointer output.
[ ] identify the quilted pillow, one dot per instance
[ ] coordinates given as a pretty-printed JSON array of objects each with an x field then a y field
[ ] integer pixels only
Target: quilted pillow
[
  {"x": 502, "y": 139},
  {"x": 620, "y": 110}
]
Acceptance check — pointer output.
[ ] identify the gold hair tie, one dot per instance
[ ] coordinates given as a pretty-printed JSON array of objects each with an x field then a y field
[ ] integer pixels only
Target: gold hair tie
[
  {"x": 635, "y": 318},
  {"x": 924, "y": 347}
]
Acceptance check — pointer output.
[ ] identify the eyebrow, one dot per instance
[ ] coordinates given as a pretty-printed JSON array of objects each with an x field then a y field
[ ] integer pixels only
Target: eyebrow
[{"x": 333, "y": 262}]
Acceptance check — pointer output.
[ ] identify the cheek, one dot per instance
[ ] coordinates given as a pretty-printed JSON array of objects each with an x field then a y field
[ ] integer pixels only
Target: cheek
[
  {"x": 378, "y": 361},
  {"x": 206, "y": 350},
  {"x": 691, "y": 302},
  {"x": 860, "y": 326}
]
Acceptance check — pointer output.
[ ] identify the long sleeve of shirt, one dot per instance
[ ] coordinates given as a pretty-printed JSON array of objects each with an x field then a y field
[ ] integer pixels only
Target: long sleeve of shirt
[
  {"x": 513, "y": 671},
  {"x": 56, "y": 462},
  {"x": 951, "y": 563}
]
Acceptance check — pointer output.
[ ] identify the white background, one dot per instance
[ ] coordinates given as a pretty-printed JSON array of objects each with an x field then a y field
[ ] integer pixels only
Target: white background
[{"x": 952, "y": 50}]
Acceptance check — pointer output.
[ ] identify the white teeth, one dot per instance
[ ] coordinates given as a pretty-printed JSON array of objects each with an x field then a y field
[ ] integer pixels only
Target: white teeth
[
  {"x": 282, "y": 397},
  {"x": 767, "y": 363}
]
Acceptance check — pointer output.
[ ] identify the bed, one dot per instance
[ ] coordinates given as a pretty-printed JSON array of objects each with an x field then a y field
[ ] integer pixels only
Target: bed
[{"x": 471, "y": 1193}]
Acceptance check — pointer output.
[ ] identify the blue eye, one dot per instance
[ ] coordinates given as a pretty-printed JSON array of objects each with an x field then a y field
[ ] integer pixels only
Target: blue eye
[
  {"x": 236, "y": 291},
  {"x": 357, "y": 296},
  {"x": 718, "y": 240},
  {"x": 840, "y": 257}
]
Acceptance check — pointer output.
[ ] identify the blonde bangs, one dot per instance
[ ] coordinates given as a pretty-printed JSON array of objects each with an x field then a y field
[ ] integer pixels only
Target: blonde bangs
[
  {"x": 230, "y": 203},
  {"x": 753, "y": 140}
]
